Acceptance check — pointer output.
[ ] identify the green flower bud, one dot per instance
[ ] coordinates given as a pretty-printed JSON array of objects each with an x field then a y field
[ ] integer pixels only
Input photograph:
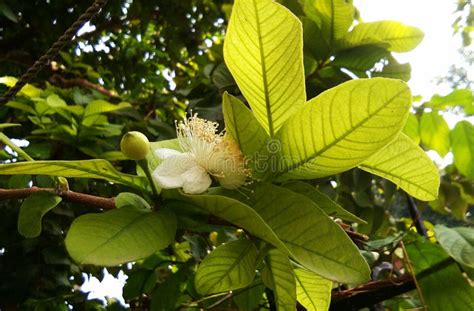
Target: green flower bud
[{"x": 135, "y": 145}]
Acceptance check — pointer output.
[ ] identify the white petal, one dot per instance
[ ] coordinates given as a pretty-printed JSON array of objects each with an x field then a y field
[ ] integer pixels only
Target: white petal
[
  {"x": 196, "y": 180},
  {"x": 168, "y": 174},
  {"x": 165, "y": 153}
]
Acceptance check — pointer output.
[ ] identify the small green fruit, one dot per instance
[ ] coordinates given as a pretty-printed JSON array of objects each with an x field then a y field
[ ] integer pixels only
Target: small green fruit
[{"x": 135, "y": 145}]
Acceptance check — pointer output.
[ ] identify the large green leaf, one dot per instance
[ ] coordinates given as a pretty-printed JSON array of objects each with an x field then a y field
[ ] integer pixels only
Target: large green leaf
[
  {"x": 119, "y": 236},
  {"x": 242, "y": 126},
  {"x": 408, "y": 166},
  {"x": 249, "y": 298},
  {"x": 459, "y": 97},
  {"x": 263, "y": 50},
  {"x": 446, "y": 289},
  {"x": 434, "y": 132},
  {"x": 324, "y": 202},
  {"x": 232, "y": 211},
  {"x": 312, "y": 291},
  {"x": 100, "y": 169},
  {"x": 342, "y": 127},
  {"x": 312, "y": 238},
  {"x": 228, "y": 267},
  {"x": 334, "y": 17},
  {"x": 412, "y": 128},
  {"x": 279, "y": 276},
  {"x": 32, "y": 211},
  {"x": 462, "y": 142},
  {"x": 394, "y": 36},
  {"x": 458, "y": 243},
  {"x": 359, "y": 59}
]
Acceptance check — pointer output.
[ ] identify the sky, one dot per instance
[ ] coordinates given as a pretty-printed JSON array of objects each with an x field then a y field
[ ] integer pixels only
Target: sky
[{"x": 431, "y": 59}]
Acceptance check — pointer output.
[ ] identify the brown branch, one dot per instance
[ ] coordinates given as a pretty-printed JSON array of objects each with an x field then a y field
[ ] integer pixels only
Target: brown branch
[
  {"x": 66, "y": 83},
  {"x": 70, "y": 196}
]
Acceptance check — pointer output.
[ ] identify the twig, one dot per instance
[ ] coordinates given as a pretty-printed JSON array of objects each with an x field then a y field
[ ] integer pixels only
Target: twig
[
  {"x": 44, "y": 60},
  {"x": 70, "y": 196},
  {"x": 416, "y": 216},
  {"x": 65, "y": 83}
]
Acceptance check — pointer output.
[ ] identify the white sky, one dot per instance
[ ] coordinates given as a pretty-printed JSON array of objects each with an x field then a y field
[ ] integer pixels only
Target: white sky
[
  {"x": 438, "y": 50},
  {"x": 431, "y": 59}
]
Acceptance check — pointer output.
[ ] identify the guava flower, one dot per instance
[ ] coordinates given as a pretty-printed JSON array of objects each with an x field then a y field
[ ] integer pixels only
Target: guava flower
[{"x": 205, "y": 153}]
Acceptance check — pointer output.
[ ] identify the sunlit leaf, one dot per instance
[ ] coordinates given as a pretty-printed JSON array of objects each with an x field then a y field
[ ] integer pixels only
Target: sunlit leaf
[
  {"x": 434, "y": 132},
  {"x": 342, "y": 127},
  {"x": 279, "y": 276},
  {"x": 462, "y": 142},
  {"x": 228, "y": 267},
  {"x": 408, "y": 166},
  {"x": 264, "y": 52},
  {"x": 312, "y": 291},
  {"x": 394, "y": 36},
  {"x": 100, "y": 169}
]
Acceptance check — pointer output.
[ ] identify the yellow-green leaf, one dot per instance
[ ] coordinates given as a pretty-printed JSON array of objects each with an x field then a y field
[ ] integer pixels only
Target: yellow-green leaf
[
  {"x": 462, "y": 140},
  {"x": 264, "y": 52},
  {"x": 408, "y": 166},
  {"x": 334, "y": 17},
  {"x": 28, "y": 90},
  {"x": 242, "y": 126},
  {"x": 395, "y": 36},
  {"x": 342, "y": 127},
  {"x": 278, "y": 275},
  {"x": 228, "y": 267},
  {"x": 100, "y": 169},
  {"x": 411, "y": 128},
  {"x": 434, "y": 132},
  {"x": 32, "y": 211},
  {"x": 312, "y": 290}
]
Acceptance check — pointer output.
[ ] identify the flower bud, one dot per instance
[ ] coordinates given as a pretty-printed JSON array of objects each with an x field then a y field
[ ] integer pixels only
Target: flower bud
[{"x": 135, "y": 145}]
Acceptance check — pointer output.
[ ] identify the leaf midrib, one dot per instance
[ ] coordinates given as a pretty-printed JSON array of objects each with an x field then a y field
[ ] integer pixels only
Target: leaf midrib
[
  {"x": 336, "y": 141},
  {"x": 264, "y": 72},
  {"x": 135, "y": 220}
]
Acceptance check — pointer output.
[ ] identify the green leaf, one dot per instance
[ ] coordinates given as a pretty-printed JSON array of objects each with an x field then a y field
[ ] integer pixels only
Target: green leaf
[
  {"x": 406, "y": 165},
  {"x": 462, "y": 142},
  {"x": 359, "y": 59},
  {"x": 316, "y": 43},
  {"x": 312, "y": 291},
  {"x": 458, "y": 243},
  {"x": 232, "y": 211},
  {"x": 54, "y": 101},
  {"x": 28, "y": 90},
  {"x": 230, "y": 266},
  {"x": 242, "y": 126},
  {"x": 446, "y": 289},
  {"x": 342, "y": 127},
  {"x": 324, "y": 202},
  {"x": 434, "y": 132},
  {"x": 411, "y": 128},
  {"x": 394, "y": 36},
  {"x": 460, "y": 97},
  {"x": 264, "y": 52},
  {"x": 249, "y": 298},
  {"x": 279, "y": 276},
  {"x": 312, "y": 238},
  {"x": 7, "y": 125},
  {"x": 21, "y": 106},
  {"x": 127, "y": 199},
  {"x": 394, "y": 70},
  {"x": 119, "y": 236},
  {"x": 8, "y": 13},
  {"x": 334, "y": 17},
  {"x": 32, "y": 211},
  {"x": 97, "y": 107},
  {"x": 21, "y": 153},
  {"x": 100, "y": 169}
]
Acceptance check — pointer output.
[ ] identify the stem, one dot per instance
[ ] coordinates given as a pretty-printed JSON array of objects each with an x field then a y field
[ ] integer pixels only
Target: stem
[
  {"x": 70, "y": 196},
  {"x": 144, "y": 165}
]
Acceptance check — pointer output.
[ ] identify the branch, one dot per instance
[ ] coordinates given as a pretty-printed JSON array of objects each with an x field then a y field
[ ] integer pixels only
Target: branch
[
  {"x": 70, "y": 196},
  {"x": 66, "y": 83}
]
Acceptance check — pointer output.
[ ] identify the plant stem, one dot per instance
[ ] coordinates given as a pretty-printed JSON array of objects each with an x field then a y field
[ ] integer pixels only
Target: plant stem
[{"x": 144, "y": 165}]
